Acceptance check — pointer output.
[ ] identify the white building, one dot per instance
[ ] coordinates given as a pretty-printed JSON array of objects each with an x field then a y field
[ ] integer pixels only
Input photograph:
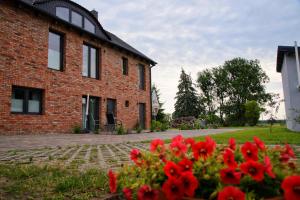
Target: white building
[{"x": 290, "y": 72}]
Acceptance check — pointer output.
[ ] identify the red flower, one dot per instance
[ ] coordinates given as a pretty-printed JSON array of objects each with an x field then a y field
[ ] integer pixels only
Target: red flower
[
  {"x": 157, "y": 144},
  {"x": 232, "y": 144},
  {"x": 259, "y": 143},
  {"x": 210, "y": 143},
  {"x": 189, "y": 142},
  {"x": 173, "y": 189},
  {"x": 189, "y": 183},
  {"x": 135, "y": 155},
  {"x": 268, "y": 167},
  {"x": 231, "y": 193},
  {"x": 254, "y": 169},
  {"x": 147, "y": 193},
  {"x": 112, "y": 181},
  {"x": 178, "y": 138},
  {"x": 127, "y": 193},
  {"x": 202, "y": 150},
  {"x": 250, "y": 151},
  {"x": 230, "y": 176},
  {"x": 178, "y": 148},
  {"x": 185, "y": 165},
  {"x": 228, "y": 157},
  {"x": 291, "y": 187},
  {"x": 287, "y": 154},
  {"x": 172, "y": 170}
]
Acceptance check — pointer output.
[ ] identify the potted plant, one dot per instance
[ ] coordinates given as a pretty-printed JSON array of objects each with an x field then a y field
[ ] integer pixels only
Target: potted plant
[{"x": 186, "y": 169}]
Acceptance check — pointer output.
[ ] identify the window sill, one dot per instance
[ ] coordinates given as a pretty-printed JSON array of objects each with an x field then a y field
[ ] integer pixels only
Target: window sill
[
  {"x": 21, "y": 113},
  {"x": 57, "y": 70},
  {"x": 91, "y": 78}
]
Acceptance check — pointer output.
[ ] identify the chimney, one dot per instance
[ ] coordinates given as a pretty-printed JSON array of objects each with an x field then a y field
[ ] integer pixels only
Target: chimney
[{"x": 95, "y": 13}]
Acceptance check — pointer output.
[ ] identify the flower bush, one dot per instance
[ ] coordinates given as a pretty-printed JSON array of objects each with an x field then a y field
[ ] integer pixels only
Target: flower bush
[{"x": 186, "y": 169}]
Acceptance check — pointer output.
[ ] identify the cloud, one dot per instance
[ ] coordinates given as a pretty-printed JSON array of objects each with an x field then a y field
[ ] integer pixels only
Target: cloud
[{"x": 199, "y": 34}]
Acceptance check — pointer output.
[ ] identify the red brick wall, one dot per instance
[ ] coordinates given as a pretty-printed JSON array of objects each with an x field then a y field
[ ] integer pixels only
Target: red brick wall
[{"x": 24, "y": 61}]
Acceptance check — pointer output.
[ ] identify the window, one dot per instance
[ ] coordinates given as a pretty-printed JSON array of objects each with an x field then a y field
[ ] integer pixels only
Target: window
[
  {"x": 141, "y": 77},
  {"x": 76, "y": 19},
  {"x": 89, "y": 26},
  {"x": 55, "y": 51},
  {"x": 63, "y": 13},
  {"x": 90, "y": 62},
  {"x": 26, "y": 100},
  {"x": 126, "y": 104},
  {"x": 125, "y": 66}
]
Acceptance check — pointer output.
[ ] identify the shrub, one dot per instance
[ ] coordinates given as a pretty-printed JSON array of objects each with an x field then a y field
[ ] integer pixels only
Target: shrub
[
  {"x": 164, "y": 126},
  {"x": 158, "y": 126},
  {"x": 76, "y": 129},
  {"x": 185, "y": 126},
  {"x": 252, "y": 112},
  {"x": 138, "y": 128},
  {"x": 120, "y": 130},
  {"x": 206, "y": 171},
  {"x": 183, "y": 121}
]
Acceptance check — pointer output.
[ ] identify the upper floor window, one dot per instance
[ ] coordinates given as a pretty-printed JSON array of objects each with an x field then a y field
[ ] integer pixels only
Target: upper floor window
[
  {"x": 141, "y": 77},
  {"x": 63, "y": 13},
  {"x": 90, "y": 62},
  {"x": 89, "y": 26},
  {"x": 55, "y": 51},
  {"x": 125, "y": 66},
  {"x": 26, "y": 100},
  {"x": 76, "y": 19}
]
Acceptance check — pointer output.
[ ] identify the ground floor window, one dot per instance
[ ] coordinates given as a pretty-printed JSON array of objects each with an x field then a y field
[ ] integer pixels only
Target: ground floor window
[{"x": 26, "y": 100}]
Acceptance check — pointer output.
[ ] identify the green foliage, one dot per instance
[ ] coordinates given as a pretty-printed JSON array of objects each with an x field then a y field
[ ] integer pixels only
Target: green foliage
[
  {"x": 187, "y": 102},
  {"x": 76, "y": 129},
  {"x": 158, "y": 126},
  {"x": 252, "y": 112},
  {"x": 138, "y": 128},
  {"x": 186, "y": 126},
  {"x": 121, "y": 129}
]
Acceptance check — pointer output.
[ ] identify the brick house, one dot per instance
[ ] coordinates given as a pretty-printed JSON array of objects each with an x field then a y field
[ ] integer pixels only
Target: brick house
[{"x": 60, "y": 68}]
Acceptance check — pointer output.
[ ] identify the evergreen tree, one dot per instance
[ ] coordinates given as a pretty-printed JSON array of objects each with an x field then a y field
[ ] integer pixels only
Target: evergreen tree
[
  {"x": 186, "y": 98},
  {"x": 161, "y": 116}
]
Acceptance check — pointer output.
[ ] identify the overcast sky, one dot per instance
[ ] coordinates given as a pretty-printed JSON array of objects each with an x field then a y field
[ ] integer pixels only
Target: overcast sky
[{"x": 199, "y": 34}]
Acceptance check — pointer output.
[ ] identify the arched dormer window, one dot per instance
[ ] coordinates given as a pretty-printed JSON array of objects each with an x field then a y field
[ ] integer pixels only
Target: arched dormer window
[{"x": 75, "y": 18}]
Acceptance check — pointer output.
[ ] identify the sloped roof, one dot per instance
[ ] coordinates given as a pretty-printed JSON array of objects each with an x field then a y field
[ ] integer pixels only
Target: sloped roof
[{"x": 47, "y": 7}]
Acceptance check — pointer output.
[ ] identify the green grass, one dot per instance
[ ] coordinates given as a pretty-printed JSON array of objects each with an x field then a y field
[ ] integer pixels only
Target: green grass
[
  {"x": 34, "y": 182},
  {"x": 279, "y": 135}
]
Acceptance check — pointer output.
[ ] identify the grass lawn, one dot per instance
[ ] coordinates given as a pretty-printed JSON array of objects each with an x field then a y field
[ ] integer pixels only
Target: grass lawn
[
  {"x": 34, "y": 182},
  {"x": 279, "y": 135}
]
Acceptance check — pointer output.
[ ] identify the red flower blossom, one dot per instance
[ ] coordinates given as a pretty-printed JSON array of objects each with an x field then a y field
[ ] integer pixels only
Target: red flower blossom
[
  {"x": 157, "y": 145},
  {"x": 260, "y": 144},
  {"x": 291, "y": 187},
  {"x": 173, "y": 189},
  {"x": 127, "y": 193},
  {"x": 189, "y": 142},
  {"x": 178, "y": 148},
  {"x": 147, "y": 193},
  {"x": 112, "y": 181},
  {"x": 231, "y": 193},
  {"x": 250, "y": 151},
  {"x": 189, "y": 183},
  {"x": 202, "y": 150},
  {"x": 185, "y": 165},
  {"x": 230, "y": 176},
  {"x": 228, "y": 157},
  {"x": 287, "y": 154},
  {"x": 172, "y": 170},
  {"x": 268, "y": 167},
  {"x": 254, "y": 169},
  {"x": 178, "y": 138},
  {"x": 232, "y": 144},
  {"x": 135, "y": 155},
  {"x": 210, "y": 143}
]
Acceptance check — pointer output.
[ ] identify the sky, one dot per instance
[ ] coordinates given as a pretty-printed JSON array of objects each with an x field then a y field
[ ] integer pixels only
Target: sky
[{"x": 199, "y": 34}]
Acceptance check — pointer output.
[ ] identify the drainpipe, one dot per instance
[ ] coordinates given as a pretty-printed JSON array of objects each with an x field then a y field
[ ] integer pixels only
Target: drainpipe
[{"x": 297, "y": 64}]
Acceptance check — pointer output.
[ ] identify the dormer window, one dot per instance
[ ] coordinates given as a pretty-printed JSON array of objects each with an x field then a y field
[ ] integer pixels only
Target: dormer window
[
  {"x": 63, "y": 13},
  {"x": 89, "y": 26},
  {"x": 76, "y": 19}
]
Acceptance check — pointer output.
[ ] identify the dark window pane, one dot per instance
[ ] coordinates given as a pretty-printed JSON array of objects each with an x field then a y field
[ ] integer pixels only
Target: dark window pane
[
  {"x": 18, "y": 97},
  {"x": 142, "y": 77},
  {"x": 54, "y": 51},
  {"x": 34, "y": 101},
  {"x": 76, "y": 19},
  {"x": 89, "y": 26},
  {"x": 63, "y": 13},
  {"x": 125, "y": 66},
  {"x": 85, "y": 68}
]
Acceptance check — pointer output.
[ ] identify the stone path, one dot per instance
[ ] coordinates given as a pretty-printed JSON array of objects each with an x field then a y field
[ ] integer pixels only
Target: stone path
[{"x": 53, "y": 140}]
